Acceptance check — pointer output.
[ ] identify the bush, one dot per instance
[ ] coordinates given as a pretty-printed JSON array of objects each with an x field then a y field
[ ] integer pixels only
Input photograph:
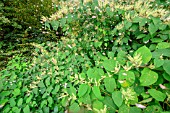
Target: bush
[{"x": 111, "y": 59}]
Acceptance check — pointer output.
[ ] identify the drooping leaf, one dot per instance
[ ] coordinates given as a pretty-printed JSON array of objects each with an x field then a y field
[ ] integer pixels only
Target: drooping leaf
[
  {"x": 97, "y": 92},
  {"x": 117, "y": 98},
  {"x": 145, "y": 53},
  {"x": 126, "y": 109},
  {"x": 159, "y": 96},
  {"x": 110, "y": 84},
  {"x": 12, "y": 102},
  {"x": 148, "y": 77}
]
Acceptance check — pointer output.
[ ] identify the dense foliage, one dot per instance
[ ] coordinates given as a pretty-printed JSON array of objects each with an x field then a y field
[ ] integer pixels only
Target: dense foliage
[{"x": 111, "y": 57}]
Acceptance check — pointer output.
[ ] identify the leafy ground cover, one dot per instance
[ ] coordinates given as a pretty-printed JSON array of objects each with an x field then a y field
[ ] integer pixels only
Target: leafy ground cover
[{"x": 112, "y": 57}]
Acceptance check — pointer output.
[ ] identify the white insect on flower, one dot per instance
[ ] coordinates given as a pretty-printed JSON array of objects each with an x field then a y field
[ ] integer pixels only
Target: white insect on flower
[{"x": 140, "y": 106}]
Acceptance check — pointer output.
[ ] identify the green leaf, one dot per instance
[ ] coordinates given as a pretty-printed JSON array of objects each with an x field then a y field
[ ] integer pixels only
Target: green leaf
[
  {"x": 97, "y": 92},
  {"x": 110, "y": 84},
  {"x": 50, "y": 101},
  {"x": 166, "y": 76},
  {"x": 20, "y": 101},
  {"x": 166, "y": 66},
  {"x": 148, "y": 77},
  {"x": 153, "y": 109},
  {"x": 145, "y": 54},
  {"x": 41, "y": 84},
  {"x": 157, "y": 21},
  {"x": 126, "y": 109},
  {"x": 82, "y": 89},
  {"x": 146, "y": 100},
  {"x": 54, "y": 24},
  {"x": 26, "y": 109},
  {"x": 85, "y": 99},
  {"x": 163, "y": 45},
  {"x": 72, "y": 91},
  {"x": 29, "y": 99},
  {"x": 16, "y": 110},
  {"x": 128, "y": 78},
  {"x": 109, "y": 64},
  {"x": 159, "y": 96},
  {"x": 110, "y": 104},
  {"x": 158, "y": 62},
  {"x": 97, "y": 105},
  {"x": 3, "y": 102},
  {"x": 152, "y": 29},
  {"x": 12, "y": 102},
  {"x": 47, "y": 81},
  {"x": 16, "y": 92},
  {"x": 74, "y": 108},
  {"x": 5, "y": 93},
  {"x": 117, "y": 98},
  {"x": 56, "y": 89}
]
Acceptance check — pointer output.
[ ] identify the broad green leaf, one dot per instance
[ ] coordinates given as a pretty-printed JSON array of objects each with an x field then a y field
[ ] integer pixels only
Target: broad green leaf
[
  {"x": 28, "y": 100},
  {"x": 127, "y": 77},
  {"x": 161, "y": 52},
  {"x": 74, "y": 108},
  {"x": 110, "y": 104},
  {"x": 56, "y": 89},
  {"x": 109, "y": 64},
  {"x": 47, "y": 81},
  {"x": 82, "y": 89},
  {"x": 41, "y": 84},
  {"x": 3, "y": 102},
  {"x": 110, "y": 84},
  {"x": 16, "y": 92},
  {"x": 12, "y": 102},
  {"x": 152, "y": 29},
  {"x": 141, "y": 36},
  {"x": 166, "y": 76},
  {"x": 145, "y": 53},
  {"x": 117, "y": 98},
  {"x": 148, "y": 77},
  {"x": 54, "y": 24},
  {"x": 72, "y": 91},
  {"x": 97, "y": 92},
  {"x": 95, "y": 73},
  {"x": 16, "y": 110},
  {"x": 5, "y": 93},
  {"x": 159, "y": 96},
  {"x": 126, "y": 109},
  {"x": 26, "y": 109},
  {"x": 158, "y": 62},
  {"x": 97, "y": 105},
  {"x": 85, "y": 99},
  {"x": 43, "y": 103},
  {"x": 50, "y": 101},
  {"x": 163, "y": 45},
  {"x": 166, "y": 66},
  {"x": 20, "y": 101},
  {"x": 157, "y": 21},
  {"x": 153, "y": 109}
]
